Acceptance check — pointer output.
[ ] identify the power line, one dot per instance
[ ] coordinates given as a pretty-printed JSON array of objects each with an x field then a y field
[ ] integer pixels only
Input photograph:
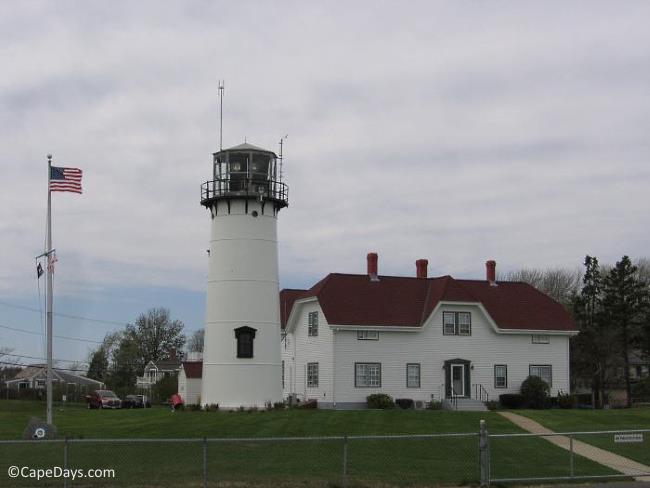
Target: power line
[
  {"x": 42, "y": 367},
  {"x": 57, "y": 336},
  {"x": 10, "y": 354},
  {"x": 69, "y": 316}
]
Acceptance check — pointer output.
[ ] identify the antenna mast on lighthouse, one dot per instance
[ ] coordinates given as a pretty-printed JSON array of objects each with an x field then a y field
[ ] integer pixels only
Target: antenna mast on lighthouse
[
  {"x": 221, "y": 86},
  {"x": 281, "y": 157}
]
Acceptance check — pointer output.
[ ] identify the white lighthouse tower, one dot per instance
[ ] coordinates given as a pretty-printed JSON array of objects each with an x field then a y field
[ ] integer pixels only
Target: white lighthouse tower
[{"x": 241, "y": 357}]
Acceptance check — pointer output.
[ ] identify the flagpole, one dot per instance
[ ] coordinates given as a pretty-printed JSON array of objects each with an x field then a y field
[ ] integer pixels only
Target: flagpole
[{"x": 49, "y": 292}]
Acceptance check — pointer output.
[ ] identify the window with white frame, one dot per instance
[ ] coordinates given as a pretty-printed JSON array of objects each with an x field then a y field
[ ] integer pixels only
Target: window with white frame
[
  {"x": 367, "y": 375},
  {"x": 541, "y": 339},
  {"x": 312, "y": 375},
  {"x": 544, "y": 371},
  {"x": 368, "y": 335},
  {"x": 500, "y": 376},
  {"x": 312, "y": 324},
  {"x": 457, "y": 323},
  {"x": 413, "y": 375}
]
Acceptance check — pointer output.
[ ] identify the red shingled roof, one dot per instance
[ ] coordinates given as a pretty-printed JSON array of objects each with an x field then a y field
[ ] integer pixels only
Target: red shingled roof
[
  {"x": 407, "y": 302},
  {"x": 193, "y": 369}
]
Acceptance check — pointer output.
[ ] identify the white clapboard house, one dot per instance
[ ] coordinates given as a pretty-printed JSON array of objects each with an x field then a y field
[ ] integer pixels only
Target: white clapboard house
[{"x": 452, "y": 340}]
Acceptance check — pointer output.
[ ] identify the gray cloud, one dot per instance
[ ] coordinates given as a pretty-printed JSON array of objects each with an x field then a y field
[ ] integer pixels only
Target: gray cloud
[{"x": 454, "y": 131}]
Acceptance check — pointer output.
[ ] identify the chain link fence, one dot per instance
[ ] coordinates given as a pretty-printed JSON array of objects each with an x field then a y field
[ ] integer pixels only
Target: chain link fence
[
  {"x": 336, "y": 461},
  {"x": 570, "y": 455},
  {"x": 296, "y": 461}
]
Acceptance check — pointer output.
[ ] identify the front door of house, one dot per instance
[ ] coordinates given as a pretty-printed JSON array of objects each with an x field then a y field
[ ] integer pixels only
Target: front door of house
[{"x": 458, "y": 379}]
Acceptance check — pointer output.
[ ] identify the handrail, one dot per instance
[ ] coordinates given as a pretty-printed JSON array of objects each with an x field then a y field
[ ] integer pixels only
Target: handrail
[
  {"x": 454, "y": 397},
  {"x": 245, "y": 187},
  {"x": 480, "y": 393}
]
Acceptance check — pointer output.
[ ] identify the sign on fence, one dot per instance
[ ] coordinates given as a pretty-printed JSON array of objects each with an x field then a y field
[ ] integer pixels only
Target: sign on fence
[{"x": 628, "y": 437}]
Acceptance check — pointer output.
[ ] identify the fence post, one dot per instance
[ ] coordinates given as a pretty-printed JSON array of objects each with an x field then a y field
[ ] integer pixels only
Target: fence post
[
  {"x": 65, "y": 461},
  {"x": 571, "y": 465},
  {"x": 205, "y": 462},
  {"x": 344, "y": 477},
  {"x": 484, "y": 455}
]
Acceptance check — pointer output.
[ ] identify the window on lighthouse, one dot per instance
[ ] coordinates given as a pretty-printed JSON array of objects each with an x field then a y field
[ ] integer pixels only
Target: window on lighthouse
[{"x": 245, "y": 336}]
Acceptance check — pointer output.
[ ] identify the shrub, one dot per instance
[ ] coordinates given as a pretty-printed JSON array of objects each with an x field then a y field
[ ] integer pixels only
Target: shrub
[
  {"x": 380, "y": 400},
  {"x": 583, "y": 399},
  {"x": 434, "y": 405},
  {"x": 511, "y": 400},
  {"x": 279, "y": 406},
  {"x": 307, "y": 404},
  {"x": 492, "y": 405},
  {"x": 641, "y": 390},
  {"x": 535, "y": 392},
  {"x": 405, "y": 403},
  {"x": 194, "y": 407},
  {"x": 565, "y": 400},
  {"x": 213, "y": 407}
]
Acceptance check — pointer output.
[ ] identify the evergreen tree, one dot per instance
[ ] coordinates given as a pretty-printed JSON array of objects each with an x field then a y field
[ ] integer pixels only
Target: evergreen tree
[
  {"x": 98, "y": 369},
  {"x": 592, "y": 354},
  {"x": 625, "y": 299}
]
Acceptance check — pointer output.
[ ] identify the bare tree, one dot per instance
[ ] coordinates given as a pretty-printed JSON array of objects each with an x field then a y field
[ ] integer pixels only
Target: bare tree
[
  {"x": 195, "y": 342},
  {"x": 561, "y": 284}
]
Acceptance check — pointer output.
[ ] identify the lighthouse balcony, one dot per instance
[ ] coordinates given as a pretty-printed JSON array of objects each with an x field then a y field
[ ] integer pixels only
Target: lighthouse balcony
[{"x": 245, "y": 186}]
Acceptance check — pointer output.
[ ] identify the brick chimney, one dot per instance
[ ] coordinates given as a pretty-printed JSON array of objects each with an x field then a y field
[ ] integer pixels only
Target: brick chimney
[
  {"x": 372, "y": 266},
  {"x": 491, "y": 272},
  {"x": 421, "y": 268}
]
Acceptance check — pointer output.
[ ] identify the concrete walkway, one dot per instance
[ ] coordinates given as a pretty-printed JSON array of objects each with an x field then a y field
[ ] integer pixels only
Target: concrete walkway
[{"x": 606, "y": 458}]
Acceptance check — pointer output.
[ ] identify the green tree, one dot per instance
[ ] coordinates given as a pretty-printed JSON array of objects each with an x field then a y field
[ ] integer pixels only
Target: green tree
[
  {"x": 98, "y": 368},
  {"x": 625, "y": 298},
  {"x": 592, "y": 354},
  {"x": 126, "y": 364}
]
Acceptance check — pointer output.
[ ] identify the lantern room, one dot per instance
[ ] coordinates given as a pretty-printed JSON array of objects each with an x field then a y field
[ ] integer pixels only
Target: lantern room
[{"x": 245, "y": 172}]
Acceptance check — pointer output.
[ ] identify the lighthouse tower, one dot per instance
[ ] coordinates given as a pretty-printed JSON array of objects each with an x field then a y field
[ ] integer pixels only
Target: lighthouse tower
[{"x": 241, "y": 356}]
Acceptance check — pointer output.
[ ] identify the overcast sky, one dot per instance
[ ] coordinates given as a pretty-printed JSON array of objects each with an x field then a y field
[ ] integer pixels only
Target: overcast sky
[{"x": 456, "y": 131}]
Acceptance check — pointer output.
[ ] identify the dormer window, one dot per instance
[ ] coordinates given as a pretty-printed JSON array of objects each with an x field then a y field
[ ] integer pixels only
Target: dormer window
[
  {"x": 457, "y": 323},
  {"x": 245, "y": 336}
]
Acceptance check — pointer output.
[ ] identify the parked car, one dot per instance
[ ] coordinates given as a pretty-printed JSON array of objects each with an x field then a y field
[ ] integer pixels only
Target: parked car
[
  {"x": 136, "y": 401},
  {"x": 103, "y": 399}
]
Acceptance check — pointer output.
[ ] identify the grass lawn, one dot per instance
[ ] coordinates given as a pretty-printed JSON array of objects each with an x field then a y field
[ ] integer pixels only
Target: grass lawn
[
  {"x": 598, "y": 420},
  {"x": 422, "y": 462}
]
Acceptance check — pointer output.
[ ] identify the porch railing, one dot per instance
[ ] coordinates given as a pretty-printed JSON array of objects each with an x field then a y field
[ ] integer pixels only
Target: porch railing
[{"x": 480, "y": 393}]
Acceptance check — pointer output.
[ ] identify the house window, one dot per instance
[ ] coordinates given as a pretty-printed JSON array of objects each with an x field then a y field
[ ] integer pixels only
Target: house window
[
  {"x": 367, "y": 375},
  {"x": 541, "y": 339},
  {"x": 312, "y": 329},
  {"x": 312, "y": 375},
  {"x": 413, "y": 375},
  {"x": 544, "y": 371},
  {"x": 500, "y": 376},
  {"x": 367, "y": 335},
  {"x": 245, "y": 336},
  {"x": 457, "y": 323}
]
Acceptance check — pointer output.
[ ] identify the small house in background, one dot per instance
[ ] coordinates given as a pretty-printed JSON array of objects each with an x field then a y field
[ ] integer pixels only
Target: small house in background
[
  {"x": 154, "y": 371},
  {"x": 189, "y": 382},
  {"x": 34, "y": 376}
]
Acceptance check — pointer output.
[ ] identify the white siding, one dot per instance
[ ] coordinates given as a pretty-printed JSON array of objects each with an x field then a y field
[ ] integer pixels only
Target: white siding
[
  {"x": 189, "y": 388},
  {"x": 429, "y": 347},
  {"x": 299, "y": 349}
]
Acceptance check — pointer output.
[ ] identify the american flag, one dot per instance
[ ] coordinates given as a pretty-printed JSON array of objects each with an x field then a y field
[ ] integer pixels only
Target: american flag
[{"x": 65, "y": 179}]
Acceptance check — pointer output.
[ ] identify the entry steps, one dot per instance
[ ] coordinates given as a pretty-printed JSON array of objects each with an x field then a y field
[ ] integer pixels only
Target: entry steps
[{"x": 464, "y": 405}]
